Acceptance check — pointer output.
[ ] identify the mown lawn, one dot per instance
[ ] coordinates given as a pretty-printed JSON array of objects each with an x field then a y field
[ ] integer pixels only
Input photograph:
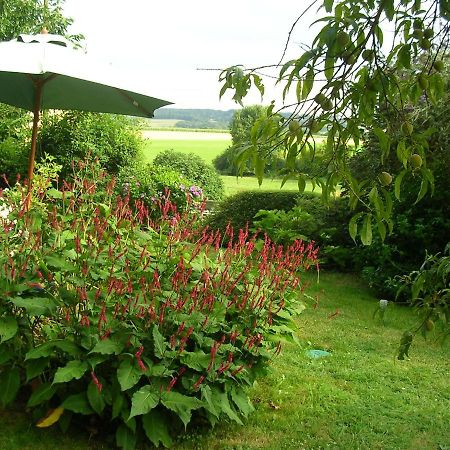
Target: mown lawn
[{"x": 360, "y": 397}]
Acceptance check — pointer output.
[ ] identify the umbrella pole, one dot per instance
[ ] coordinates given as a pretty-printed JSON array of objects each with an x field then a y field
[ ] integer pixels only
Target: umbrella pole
[{"x": 36, "y": 114}]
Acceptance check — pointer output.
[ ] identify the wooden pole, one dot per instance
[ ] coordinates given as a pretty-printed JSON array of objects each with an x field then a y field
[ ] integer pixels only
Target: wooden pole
[{"x": 36, "y": 114}]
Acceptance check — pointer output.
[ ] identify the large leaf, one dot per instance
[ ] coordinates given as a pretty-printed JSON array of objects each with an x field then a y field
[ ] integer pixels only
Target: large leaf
[
  {"x": 5, "y": 354},
  {"x": 125, "y": 438},
  {"x": 35, "y": 306},
  {"x": 96, "y": 398},
  {"x": 159, "y": 342},
  {"x": 223, "y": 404},
  {"x": 35, "y": 367},
  {"x": 144, "y": 400},
  {"x": 43, "y": 393},
  {"x": 242, "y": 401},
  {"x": 10, "y": 383},
  {"x": 156, "y": 429},
  {"x": 8, "y": 328},
  {"x": 128, "y": 374},
  {"x": 78, "y": 403},
  {"x": 72, "y": 370},
  {"x": 108, "y": 347},
  {"x": 48, "y": 349},
  {"x": 181, "y": 404},
  {"x": 198, "y": 360}
]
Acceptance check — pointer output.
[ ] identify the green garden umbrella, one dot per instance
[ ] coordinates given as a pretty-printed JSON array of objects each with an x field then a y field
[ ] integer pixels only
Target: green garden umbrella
[{"x": 46, "y": 72}]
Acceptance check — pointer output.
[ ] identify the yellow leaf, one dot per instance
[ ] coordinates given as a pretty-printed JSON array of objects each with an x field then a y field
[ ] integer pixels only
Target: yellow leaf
[{"x": 52, "y": 417}]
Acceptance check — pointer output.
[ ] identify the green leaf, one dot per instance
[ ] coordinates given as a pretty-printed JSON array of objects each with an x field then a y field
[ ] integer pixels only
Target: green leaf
[
  {"x": 72, "y": 370},
  {"x": 423, "y": 190},
  {"x": 96, "y": 399},
  {"x": 181, "y": 404},
  {"x": 301, "y": 183},
  {"x": 222, "y": 402},
  {"x": 328, "y": 4},
  {"x": 353, "y": 226},
  {"x": 43, "y": 393},
  {"x": 36, "y": 367},
  {"x": 159, "y": 342},
  {"x": 329, "y": 68},
  {"x": 48, "y": 349},
  {"x": 398, "y": 184},
  {"x": 5, "y": 354},
  {"x": 208, "y": 401},
  {"x": 260, "y": 164},
  {"x": 78, "y": 403},
  {"x": 35, "y": 306},
  {"x": 8, "y": 328},
  {"x": 10, "y": 383},
  {"x": 198, "y": 360},
  {"x": 108, "y": 347},
  {"x": 242, "y": 401},
  {"x": 366, "y": 231},
  {"x": 156, "y": 429},
  {"x": 125, "y": 438},
  {"x": 118, "y": 402},
  {"x": 144, "y": 400},
  {"x": 128, "y": 374}
]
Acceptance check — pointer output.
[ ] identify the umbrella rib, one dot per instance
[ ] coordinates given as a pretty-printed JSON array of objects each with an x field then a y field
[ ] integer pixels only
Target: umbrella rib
[{"x": 135, "y": 103}]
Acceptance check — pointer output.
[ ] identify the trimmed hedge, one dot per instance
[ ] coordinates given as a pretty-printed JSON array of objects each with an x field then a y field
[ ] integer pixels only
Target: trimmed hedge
[{"x": 241, "y": 208}]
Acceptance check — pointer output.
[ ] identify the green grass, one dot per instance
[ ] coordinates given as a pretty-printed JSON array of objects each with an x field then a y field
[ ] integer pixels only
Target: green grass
[
  {"x": 361, "y": 397},
  {"x": 206, "y": 149}
]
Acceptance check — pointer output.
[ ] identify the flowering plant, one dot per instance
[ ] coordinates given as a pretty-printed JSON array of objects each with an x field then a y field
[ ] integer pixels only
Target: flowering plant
[{"x": 144, "y": 324}]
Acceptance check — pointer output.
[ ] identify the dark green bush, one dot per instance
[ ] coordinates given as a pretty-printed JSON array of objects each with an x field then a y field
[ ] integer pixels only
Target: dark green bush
[
  {"x": 193, "y": 168},
  {"x": 240, "y": 209},
  {"x": 15, "y": 137},
  {"x": 71, "y": 135},
  {"x": 148, "y": 183},
  {"x": 418, "y": 228}
]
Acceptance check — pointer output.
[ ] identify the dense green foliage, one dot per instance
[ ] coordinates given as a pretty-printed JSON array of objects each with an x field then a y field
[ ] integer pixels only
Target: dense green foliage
[
  {"x": 339, "y": 82},
  {"x": 30, "y": 16},
  {"x": 144, "y": 325},
  {"x": 14, "y": 143},
  {"x": 150, "y": 184},
  {"x": 193, "y": 168},
  {"x": 240, "y": 209},
  {"x": 114, "y": 140}
]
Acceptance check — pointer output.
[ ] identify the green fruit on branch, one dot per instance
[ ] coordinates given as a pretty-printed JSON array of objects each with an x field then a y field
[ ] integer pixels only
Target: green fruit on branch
[
  {"x": 416, "y": 161},
  {"x": 429, "y": 325},
  {"x": 294, "y": 126},
  {"x": 349, "y": 57},
  {"x": 327, "y": 105},
  {"x": 428, "y": 33},
  {"x": 423, "y": 81},
  {"x": 425, "y": 44},
  {"x": 368, "y": 55},
  {"x": 343, "y": 39},
  {"x": 407, "y": 128},
  {"x": 418, "y": 33},
  {"x": 438, "y": 65},
  {"x": 320, "y": 98},
  {"x": 314, "y": 126},
  {"x": 385, "y": 178}
]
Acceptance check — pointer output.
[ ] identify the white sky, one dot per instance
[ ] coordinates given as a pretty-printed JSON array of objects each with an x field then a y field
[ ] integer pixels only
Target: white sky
[{"x": 163, "y": 43}]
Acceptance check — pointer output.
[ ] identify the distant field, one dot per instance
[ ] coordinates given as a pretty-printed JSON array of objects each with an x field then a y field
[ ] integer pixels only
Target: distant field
[
  {"x": 161, "y": 123},
  {"x": 208, "y": 146},
  {"x": 234, "y": 185},
  {"x": 205, "y": 145}
]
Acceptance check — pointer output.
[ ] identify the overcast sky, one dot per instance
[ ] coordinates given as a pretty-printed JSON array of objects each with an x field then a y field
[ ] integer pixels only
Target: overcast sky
[{"x": 164, "y": 43}]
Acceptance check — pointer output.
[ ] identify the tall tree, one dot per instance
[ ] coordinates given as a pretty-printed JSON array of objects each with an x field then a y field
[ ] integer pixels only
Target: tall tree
[{"x": 340, "y": 82}]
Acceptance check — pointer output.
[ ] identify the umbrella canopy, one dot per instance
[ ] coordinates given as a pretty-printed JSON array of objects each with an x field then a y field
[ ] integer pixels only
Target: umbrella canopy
[{"x": 46, "y": 72}]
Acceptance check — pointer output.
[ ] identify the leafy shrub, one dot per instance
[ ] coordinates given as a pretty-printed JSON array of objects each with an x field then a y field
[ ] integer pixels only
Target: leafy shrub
[
  {"x": 418, "y": 228},
  {"x": 71, "y": 135},
  {"x": 15, "y": 138},
  {"x": 240, "y": 209},
  {"x": 193, "y": 168},
  {"x": 312, "y": 220},
  {"x": 144, "y": 324},
  {"x": 150, "y": 183}
]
